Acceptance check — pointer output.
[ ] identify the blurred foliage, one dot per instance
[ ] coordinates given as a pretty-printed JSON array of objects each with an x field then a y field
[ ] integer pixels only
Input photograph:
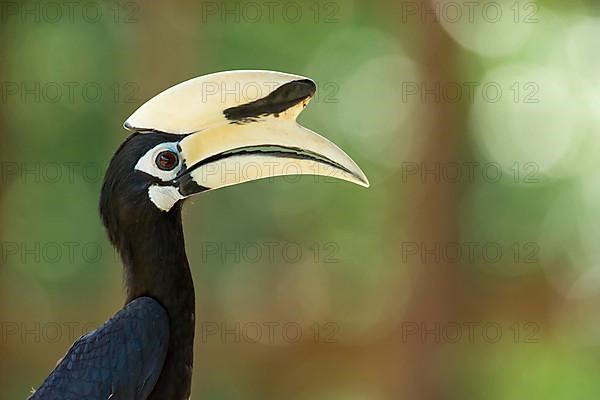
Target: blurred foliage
[{"x": 353, "y": 270}]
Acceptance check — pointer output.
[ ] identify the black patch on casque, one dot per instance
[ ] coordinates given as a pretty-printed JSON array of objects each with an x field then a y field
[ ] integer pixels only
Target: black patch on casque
[{"x": 279, "y": 100}]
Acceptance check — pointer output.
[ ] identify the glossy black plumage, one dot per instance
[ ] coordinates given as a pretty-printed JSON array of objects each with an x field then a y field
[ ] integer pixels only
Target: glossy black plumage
[
  {"x": 146, "y": 351},
  {"x": 140, "y": 206},
  {"x": 122, "y": 358}
]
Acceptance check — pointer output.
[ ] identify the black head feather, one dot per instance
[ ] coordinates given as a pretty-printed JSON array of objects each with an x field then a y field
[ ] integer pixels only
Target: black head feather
[
  {"x": 152, "y": 246},
  {"x": 124, "y": 201}
]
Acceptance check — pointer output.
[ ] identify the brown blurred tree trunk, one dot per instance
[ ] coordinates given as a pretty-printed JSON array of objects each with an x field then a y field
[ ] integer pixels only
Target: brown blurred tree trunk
[
  {"x": 3, "y": 146},
  {"x": 434, "y": 208}
]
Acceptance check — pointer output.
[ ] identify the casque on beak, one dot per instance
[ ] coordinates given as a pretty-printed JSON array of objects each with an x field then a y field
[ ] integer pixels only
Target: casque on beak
[{"x": 241, "y": 126}]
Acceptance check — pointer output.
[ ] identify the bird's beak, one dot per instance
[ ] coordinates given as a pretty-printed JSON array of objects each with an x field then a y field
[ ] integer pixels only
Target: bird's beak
[
  {"x": 240, "y": 153},
  {"x": 249, "y": 136}
]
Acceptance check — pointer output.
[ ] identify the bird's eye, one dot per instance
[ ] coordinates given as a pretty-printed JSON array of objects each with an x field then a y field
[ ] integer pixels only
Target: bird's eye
[{"x": 167, "y": 160}]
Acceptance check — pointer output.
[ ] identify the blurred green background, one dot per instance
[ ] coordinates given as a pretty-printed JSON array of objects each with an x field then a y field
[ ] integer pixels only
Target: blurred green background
[{"x": 381, "y": 295}]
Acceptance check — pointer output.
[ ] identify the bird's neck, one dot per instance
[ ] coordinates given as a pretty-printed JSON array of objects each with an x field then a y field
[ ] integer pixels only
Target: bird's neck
[
  {"x": 156, "y": 266},
  {"x": 155, "y": 261}
]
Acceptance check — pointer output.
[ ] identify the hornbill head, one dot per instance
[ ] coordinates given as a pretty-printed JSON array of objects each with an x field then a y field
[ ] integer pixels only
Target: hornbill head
[{"x": 215, "y": 131}]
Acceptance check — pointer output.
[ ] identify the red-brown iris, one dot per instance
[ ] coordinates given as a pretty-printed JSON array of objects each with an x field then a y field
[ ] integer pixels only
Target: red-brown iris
[{"x": 167, "y": 160}]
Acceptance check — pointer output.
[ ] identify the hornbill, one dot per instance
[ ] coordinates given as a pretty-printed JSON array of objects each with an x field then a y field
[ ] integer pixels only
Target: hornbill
[{"x": 203, "y": 134}]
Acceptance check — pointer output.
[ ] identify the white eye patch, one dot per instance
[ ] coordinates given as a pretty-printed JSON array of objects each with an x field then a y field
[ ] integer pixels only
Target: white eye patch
[
  {"x": 148, "y": 165},
  {"x": 163, "y": 197}
]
